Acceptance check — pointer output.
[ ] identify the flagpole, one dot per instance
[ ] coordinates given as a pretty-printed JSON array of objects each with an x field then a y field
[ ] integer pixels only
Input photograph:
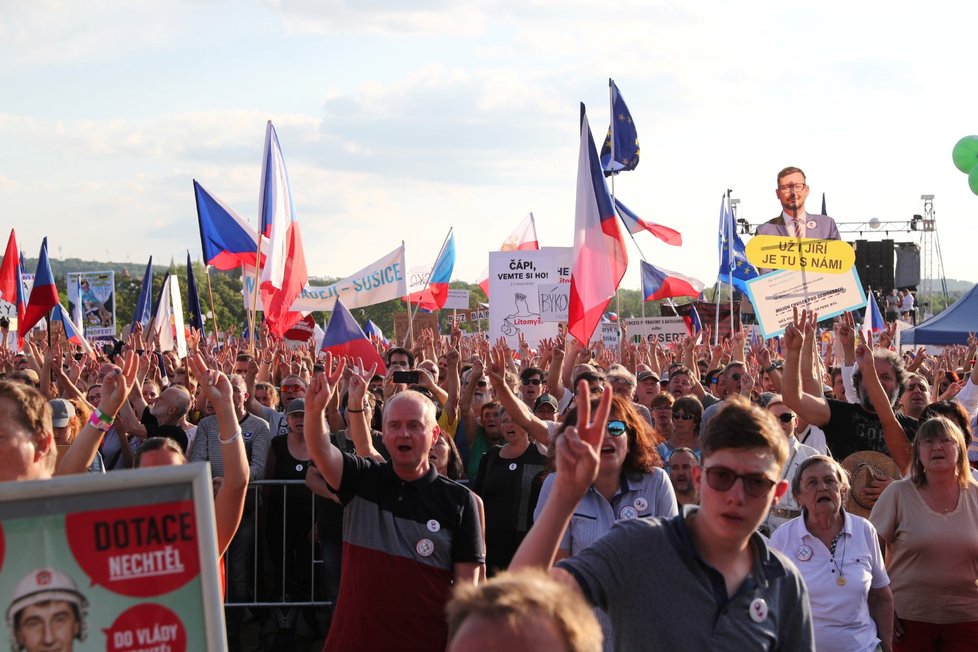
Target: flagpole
[
  {"x": 614, "y": 207},
  {"x": 425, "y": 286},
  {"x": 728, "y": 233},
  {"x": 210, "y": 294},
  {"x": 254, "y": 298}
]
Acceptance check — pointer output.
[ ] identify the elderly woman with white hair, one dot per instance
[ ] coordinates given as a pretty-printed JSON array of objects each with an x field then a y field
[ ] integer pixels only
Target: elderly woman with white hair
[{"x": 839, "y": 557}]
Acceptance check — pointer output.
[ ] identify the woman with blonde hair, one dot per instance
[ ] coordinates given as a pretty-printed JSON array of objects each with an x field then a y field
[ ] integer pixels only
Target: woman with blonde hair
[{"x": 929, "y": 521}]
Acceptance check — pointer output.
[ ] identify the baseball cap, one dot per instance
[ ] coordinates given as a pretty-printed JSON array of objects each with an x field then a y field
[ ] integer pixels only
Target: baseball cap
[
  {"x": 545, "y": 399},
  {"x": 296, "y": 405},
  {"x": 61, "y": 412},
  {"x": 645, "y": 375}
]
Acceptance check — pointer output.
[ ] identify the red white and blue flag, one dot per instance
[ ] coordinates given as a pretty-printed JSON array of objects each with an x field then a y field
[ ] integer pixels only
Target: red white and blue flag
[
  {"x": 11, "y": 287},
  {"x": 227, "y": 240},
  {"x": 44, "y": 294},
  {"x": 600, "y": 258},
  {"x": 72, "y": 332},
  {"x": 660, "y": 283},
  {"x": 435, "y": 295},
  {"x": 344, "y": 337},
  {"x": 693, "y": 323},
  {"x": 284, "y": 272},
  {"x": 636, "y": 224}
]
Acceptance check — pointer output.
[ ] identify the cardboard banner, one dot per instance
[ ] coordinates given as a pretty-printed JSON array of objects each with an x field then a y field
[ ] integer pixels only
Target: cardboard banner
[
  {"x": 8, "y": 310},
  {"x": 708, "y": 314},
  {"x": 421, "y": 320},
  {"x": 530, "y": 293},
  {"x": 775, "y": 296},
  {"x": 457, "y": 300},
  {"x": 95, "y": 313},
  {"x": 383, "y": 280},
  {"x": 469, "y": 316},
  {"x": 664, "y": 330},
  {"x": 812, "y": 254},
  {"x": 136, "y": 551}
]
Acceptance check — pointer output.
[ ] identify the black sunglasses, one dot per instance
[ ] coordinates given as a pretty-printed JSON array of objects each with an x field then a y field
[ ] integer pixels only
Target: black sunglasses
[
  {"x": 735, "y": 377},
  {"x": 756, "y": 485},
  {"x": 685, "y": 416},
  {"x": 533, "y": 381},
  {"x": 786, "y": 417},
  {"x": 617, "y": 428}
]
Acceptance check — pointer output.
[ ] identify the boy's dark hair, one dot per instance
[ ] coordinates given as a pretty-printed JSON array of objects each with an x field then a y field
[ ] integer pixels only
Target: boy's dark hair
[{"x": 739, "y": 425}]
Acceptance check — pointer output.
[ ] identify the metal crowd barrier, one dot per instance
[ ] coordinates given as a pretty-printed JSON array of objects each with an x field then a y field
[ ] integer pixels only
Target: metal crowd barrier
[{"x": 315, "y": 565}]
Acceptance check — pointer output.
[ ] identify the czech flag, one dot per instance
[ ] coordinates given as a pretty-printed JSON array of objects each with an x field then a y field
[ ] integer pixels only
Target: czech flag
[
  {"x": 659, "y": 283},
  {"x": 636, "y": 224},
  {"x": 373, "y": 330},
  {"x": 226, "y": 240},
  {"x": 44, "y": 294},
  {"x": 344, "y": 337},
  {"x": 284, "y": 272},
  {"x": 876, "y": 323},
  {"x": 72, "y": 332},
  {"x": 11, "y": 288},
  {"x": 600, "y": 258},
  {"x": 693, "y": 323},
  {"x": 435, "y": 295}
]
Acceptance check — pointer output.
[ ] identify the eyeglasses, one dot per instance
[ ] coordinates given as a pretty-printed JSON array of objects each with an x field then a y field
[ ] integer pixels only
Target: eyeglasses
[
  {"x": 935, "y": 443},
  {"x": 533, "y": 381},
  {"x": 756, "y": 485},
  {"x": 682, "y": 415},
  {"x": 617, "y": 428},
  {"x": 918, "y": 387},
  {"x": 797, "y": 187},
  {"x": 813, "y": 484},
  {"x": 293, "y": 388},
  {"x": 786, "y": 417}
]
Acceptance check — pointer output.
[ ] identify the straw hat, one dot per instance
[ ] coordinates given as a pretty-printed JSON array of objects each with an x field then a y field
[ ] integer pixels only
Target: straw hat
[{"x": 861, "y": 467}]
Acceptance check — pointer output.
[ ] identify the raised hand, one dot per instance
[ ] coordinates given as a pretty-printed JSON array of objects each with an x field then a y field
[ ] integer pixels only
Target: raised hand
[
  {"x": 579, "y": 447},
  {"x": 117, "y": 385},
  {"x": 321, "y": 387},
  {"x": 794, "y": 335}
]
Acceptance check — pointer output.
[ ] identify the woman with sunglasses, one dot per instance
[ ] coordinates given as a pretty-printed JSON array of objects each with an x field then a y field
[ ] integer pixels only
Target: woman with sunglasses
[
  {"x": 839, "y": 556},
  {"x": 687, "y": 415},
  {"x": 929, "y": 521},
  {"x": 787, "y": 508},
  {"x": 630, "y": 484}
]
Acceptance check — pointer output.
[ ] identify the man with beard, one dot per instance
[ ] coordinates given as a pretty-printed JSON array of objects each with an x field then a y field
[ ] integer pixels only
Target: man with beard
[
  {"x": 680, "y": 466},
  {"x": 848, "y": 427}
]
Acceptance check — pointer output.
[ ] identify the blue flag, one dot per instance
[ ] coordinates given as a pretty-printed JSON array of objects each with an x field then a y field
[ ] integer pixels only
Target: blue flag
[
  {"x": 875, "y": 317},
  {"x": 734, "y": 267},
  {"x": 193, "y": 299},
  {"x": 144, "y": 304},
  {"x": 624, "y": 136}
]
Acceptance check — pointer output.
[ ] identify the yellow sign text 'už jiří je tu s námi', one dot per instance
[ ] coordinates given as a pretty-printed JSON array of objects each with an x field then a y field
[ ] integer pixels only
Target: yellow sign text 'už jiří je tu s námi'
[{"x": 809, "y": 254}]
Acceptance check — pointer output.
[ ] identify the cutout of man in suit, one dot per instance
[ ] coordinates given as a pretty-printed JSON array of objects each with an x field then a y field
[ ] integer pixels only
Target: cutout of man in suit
[{"x": 794, "y": 221}]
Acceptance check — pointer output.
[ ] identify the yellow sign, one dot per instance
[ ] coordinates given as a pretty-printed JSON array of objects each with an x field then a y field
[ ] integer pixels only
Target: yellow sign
[{"x": 808, "y": 254}]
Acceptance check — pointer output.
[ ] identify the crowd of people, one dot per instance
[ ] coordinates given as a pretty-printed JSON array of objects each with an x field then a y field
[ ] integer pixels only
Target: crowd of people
[{"x": 726, "y": 494}]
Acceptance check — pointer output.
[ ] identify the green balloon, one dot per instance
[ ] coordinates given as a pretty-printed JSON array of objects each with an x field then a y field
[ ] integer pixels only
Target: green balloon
[
  {"x": 973, "y": 179},
  {"x": 965, "y": 154}
]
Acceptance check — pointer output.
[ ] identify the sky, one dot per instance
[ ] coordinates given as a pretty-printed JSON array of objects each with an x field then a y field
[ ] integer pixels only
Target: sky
[{"x": 399, "y": 119}]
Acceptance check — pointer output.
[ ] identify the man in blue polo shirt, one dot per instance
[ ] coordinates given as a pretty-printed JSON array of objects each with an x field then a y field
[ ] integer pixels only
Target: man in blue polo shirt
[
  {"x": 704, "y": 580},
  {"x": 409, "y": 534}
]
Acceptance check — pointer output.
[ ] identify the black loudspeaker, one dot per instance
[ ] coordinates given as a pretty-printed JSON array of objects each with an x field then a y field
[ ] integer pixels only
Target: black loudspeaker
[
  {"x": 874, "y": 263},
  {"x": 907, "y": 265}
]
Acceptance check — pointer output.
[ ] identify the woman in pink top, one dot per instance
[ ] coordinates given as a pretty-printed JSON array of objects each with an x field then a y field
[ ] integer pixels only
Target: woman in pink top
[{"x": 929, "y": 521}]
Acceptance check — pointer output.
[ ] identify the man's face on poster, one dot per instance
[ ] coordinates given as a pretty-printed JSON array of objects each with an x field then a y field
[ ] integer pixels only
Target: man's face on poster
[{"x": 49, "y": 626}]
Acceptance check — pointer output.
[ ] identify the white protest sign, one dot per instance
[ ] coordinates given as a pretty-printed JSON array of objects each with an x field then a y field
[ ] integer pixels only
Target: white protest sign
[
  {"x": 664, "y": 330},
  {"x": 529, "y": 293},
  {"x": 382, "y": 280},
  {"x": 457, "y": 300},
  {"x": 776, "y": 295},
  {"x": 609, "y": 333},
  {"x": 97, "y": 290}
]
